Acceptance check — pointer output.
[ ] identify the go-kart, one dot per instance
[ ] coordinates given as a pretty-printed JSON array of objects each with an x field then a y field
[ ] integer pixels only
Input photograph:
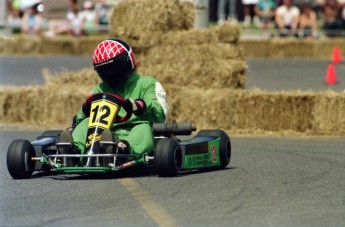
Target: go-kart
[{"x": 171, "y": 155}]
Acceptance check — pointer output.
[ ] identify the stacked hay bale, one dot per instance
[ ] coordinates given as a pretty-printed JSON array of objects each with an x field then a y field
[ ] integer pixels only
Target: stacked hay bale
[
  {"x": 234, "y": 110},
  {"x": 145, "y": 21},
  {"x": 169, "y": 49},
  {"x": 249, "y": 111},
  {"x": 208, "y": 62}
]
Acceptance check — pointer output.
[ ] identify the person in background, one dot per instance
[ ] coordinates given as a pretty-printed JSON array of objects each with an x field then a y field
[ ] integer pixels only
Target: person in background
[
  {"x": 332, "y": 23},
  {"x": 14, "y": 15},
  {"x": 70, "y": 25},
  {"x": 221, "y": 11},
  {"x": 102, "y": 9},
  {"x": 31, "y": 21},
  {"x": 307, "y": 22},
  {"x": 286, "y": 18},
  {"x": 265, "y": 10},
  {"x": 279, "y": 2},
  {"x": 89, "y": 19},
  {"x": 247, "y": 5}
]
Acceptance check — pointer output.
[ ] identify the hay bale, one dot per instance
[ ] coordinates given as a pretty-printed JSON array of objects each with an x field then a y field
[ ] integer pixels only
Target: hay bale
[
  {"x": 132, "y": 19},
  {"x": 323, "y": 48},
  {"x": 329, "y": 113},
  {"x": 206, "y": 74},
  {"x": 287, "y": 48},
  {"x": 70, "y": 45},
  {"x": 246, "y": 111},
  {"x": 186, "y": 54},
  {"x": 83, "y": 79},
  {"x": 255, "y": 48},
  {"x": 208, "y": 36},
  {"x": 42, "y": 107},
  {"x": 226, "y": 33},
  {"x": 59, "y": 45},
  {"x": 20, "y": 45},
  {"x": 10, "y": 99}
]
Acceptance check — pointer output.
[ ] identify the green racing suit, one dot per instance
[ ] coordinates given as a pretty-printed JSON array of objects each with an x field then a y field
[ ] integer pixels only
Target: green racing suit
[{"x": 137, "y": 131}]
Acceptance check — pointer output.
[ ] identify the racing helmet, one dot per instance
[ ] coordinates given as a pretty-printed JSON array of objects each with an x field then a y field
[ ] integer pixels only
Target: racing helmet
[{"x": 113, "y": 60}]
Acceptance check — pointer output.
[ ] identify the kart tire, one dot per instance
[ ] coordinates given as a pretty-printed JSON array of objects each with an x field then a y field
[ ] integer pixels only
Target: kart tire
[
  {"x": 52, "y": 133},
  {"x": 19, "y": 163},
  {"x": 168, "y": 157},
  {"x": 225, "y": 145}
]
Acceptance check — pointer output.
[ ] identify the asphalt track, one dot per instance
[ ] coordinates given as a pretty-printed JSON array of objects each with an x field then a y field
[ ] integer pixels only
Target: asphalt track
[{"x": 271, "y": 181}]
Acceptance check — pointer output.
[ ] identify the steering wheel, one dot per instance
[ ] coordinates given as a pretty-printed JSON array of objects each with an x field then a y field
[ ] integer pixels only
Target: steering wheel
[{"x": 121, "y": 101}]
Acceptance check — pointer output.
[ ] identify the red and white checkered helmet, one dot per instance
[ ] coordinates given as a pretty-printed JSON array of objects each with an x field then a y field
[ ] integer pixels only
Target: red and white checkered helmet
[{"x": 114, "y": 61}]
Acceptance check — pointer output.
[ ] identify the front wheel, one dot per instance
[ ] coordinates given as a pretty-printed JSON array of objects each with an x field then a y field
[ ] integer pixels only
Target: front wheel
[
  {"x": 168, "y": 157},
  {"x": 19, "y": 159},
  {"x": 225, "y": 145}
]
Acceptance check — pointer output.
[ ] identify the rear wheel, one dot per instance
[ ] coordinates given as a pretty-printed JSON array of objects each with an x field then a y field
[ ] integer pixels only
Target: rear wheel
[
  {"x": 168, "y": 157},
  {"x": 19, "y": 159},
  {"x": 225, "y": 145}
]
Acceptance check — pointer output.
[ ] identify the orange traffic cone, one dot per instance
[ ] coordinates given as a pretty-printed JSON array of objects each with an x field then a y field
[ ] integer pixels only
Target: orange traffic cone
[
  {"x": 331, "y": 77},
  {"x": 336, "y": 55}
]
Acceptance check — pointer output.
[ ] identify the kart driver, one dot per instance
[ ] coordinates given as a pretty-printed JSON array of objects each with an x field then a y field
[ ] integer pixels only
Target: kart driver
[{"x": 114, "y": 62}]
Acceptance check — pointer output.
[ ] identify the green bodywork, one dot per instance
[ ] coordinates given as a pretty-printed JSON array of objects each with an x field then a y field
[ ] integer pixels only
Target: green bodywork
[{"x": 198, "y": 155}]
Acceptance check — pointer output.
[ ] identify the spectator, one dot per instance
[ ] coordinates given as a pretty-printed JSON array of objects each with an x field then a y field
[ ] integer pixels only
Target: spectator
[
  {"x": 221, "y": 11},
  {"x": 343, "y": 19},
  {"x": 332, "y": 23},
  {"x": 316, "y": 6},
  {"x": 70, "y": 25},
  {"x": 89, "y": 19},
  {"x": 31, "y": 21},
  {"x": 265, "y": 9},
  {"x": 247, "y": 5},
  {"x": 279, "y": 2},
  {"x": 14, "y": 15},
  {"x": 75, "y": 20},
  {"x": 286, "y": 18},
  {"x": 307, "y": 22},
  {"x": 102, "y": 8}
]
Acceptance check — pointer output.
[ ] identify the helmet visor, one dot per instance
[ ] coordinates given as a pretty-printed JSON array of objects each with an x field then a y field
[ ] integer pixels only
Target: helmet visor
[{"x": 115, "y": 71}]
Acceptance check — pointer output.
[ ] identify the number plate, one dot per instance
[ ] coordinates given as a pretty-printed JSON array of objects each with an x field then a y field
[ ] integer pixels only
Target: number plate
[{"x": 102, "y": 113}]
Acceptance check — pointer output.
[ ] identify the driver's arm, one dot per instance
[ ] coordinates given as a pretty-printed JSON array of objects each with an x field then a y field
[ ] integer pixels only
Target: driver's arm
[{"x": 156, "y": 103}]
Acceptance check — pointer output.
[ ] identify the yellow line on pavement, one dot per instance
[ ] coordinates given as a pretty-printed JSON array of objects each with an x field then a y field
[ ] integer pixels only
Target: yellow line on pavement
[{"x": 154, "y": 210}]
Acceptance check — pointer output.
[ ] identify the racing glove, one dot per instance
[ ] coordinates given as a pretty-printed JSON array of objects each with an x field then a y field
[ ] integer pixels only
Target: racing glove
[
  {"x": 86, "y": 109},
  {"x": 138, "y": 106}
]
